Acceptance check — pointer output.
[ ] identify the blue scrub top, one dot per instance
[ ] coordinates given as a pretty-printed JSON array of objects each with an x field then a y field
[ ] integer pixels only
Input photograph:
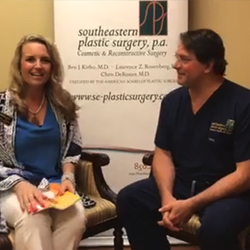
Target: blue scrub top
[{"x": 207, "y": 145}]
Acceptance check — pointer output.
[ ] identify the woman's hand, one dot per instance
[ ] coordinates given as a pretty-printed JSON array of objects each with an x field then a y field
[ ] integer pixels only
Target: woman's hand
[
  {"x": 66, "y": 185},
  {"x": 29, "y": 196}
]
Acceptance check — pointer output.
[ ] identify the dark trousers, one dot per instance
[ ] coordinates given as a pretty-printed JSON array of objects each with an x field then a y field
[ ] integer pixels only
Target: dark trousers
[{"x": 221, "y": 222}]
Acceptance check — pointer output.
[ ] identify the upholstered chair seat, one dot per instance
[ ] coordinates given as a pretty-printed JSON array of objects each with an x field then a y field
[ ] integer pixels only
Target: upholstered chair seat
[{"x": 101, "y": 210}]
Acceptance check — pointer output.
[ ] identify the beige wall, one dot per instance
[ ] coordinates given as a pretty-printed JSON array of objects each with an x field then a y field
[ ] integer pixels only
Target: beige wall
[
  {"x": 228, "y": 17},
  {"x": 17, "y": 18}
]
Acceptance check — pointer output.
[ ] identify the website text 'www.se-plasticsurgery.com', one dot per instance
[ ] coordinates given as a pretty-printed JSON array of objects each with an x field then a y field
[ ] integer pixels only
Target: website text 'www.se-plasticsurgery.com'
[{"x": 141, "y": 98}]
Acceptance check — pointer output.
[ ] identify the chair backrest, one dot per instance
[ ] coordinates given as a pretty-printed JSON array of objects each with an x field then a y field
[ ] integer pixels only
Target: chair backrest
[{"x": 147, "y": 159}]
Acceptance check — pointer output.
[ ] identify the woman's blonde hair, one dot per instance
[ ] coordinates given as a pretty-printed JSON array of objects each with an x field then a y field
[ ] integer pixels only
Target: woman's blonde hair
[{"x": 58, "y": 96}]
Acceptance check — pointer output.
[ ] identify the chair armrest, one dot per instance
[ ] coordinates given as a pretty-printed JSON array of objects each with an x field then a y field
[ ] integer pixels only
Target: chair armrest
[
  {"x": 98, "y": 161},
  {"x": 5, "y": 242},
  {"x": 101, "y": 159},
  {"x": 148, "y": 159}
]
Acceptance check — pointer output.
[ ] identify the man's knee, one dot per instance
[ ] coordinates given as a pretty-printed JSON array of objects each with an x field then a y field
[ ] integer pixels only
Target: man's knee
[
  {"x": 216, "y": 231},
  {"x": 139, "y": 196},
  {"x": 124, "y": 198},
  {"x": 224, "y": 220},
  {"x": 133, "y": 198}
]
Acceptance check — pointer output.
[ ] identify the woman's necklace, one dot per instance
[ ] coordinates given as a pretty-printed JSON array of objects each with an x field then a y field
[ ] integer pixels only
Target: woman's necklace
[{"x": 34, "y": 119}]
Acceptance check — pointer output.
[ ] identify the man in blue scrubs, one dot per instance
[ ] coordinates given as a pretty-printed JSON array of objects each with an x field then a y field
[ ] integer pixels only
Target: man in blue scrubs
[{"x": 202, "y": 155}]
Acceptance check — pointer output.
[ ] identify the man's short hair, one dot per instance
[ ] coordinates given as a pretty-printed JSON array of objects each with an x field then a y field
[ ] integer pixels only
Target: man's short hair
[{"x": 207, "y": 46}]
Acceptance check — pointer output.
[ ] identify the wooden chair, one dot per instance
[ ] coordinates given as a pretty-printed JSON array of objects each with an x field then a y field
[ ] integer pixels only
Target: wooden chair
[
  {"x": 5, "y": 242},
  {"x": 90, "y": 181},
  {"x": 188, "y": 234}
]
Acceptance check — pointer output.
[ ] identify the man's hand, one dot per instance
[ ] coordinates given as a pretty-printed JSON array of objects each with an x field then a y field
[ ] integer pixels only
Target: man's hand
[
  {"x": 66, "y": 186},
  {"x": 178, "y": 213},
  {"x": 166, "y": 222}
]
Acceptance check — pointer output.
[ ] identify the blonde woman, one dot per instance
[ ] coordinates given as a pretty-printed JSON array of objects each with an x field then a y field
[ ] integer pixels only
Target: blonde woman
[{"x": 40, "y": 143}]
